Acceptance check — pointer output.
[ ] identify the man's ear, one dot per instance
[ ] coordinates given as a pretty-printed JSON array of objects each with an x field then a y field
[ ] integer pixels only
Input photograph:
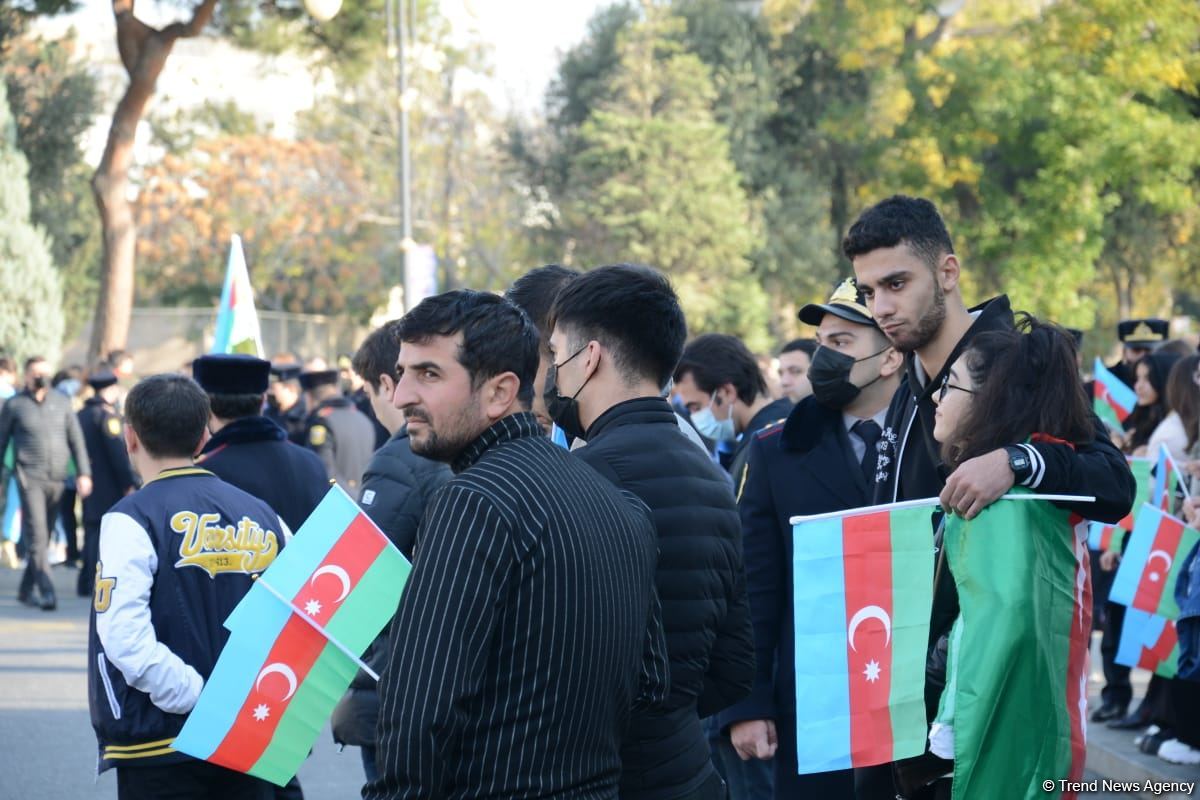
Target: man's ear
[
  {"x": 892, "y": 362},
  {"x": 132, "y": 445},
  {"x": 499, "y": 394},
  {"x": 948, "y": 273},
  {"x": 387, "y": 387},
  {"x": 725, "y": 395},
  {"x": 203, "y": 441}
]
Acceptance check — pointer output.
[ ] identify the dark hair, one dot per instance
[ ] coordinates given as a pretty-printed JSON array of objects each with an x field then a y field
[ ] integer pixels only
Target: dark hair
[
  {"x": 1026, "y": 382},
  {"x": 1183, "y": 396},
  {"x": 1177, "y": 346},
  {"x": 115, "y": 356},
  {"x": 497, "y": 336},
  {"x": 630, "y": 309},
  {"x": 7, "y": 365},
  {"x": 715, "y": 359},
  {"x": 807, "y": 346},
  {"x": 534, "y": 293},
  {"x": 900, "y": 219},
  {"x": 235, "y": 406},
  {"x": 1144, "y": 419},
  {"x": 377, "y": 355},
  {"x": 29, "y": 362},
  {"x": 168, "y": 413}
]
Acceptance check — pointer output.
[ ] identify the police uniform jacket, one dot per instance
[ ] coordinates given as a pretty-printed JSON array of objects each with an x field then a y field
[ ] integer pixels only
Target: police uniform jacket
[
  {"x": 804, "y": 465},
  {"x": 343, "y": 438},
  {"x": 294, "y": 421},
  {"x": 253, "y": 454},
  {"x": 164, "y": 586},
  {"x": 112, "y": 474}
]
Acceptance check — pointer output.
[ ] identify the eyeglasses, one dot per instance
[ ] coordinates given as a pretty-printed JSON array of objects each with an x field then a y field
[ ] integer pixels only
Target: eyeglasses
[{"x": 947, "y": 386}]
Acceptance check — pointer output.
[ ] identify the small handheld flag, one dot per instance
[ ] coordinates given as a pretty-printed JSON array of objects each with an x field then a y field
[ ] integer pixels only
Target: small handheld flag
[
  {"x": 294, "y": 643},
  {"x": 1156, "y": 551},
  {"x": 1167, "y": 479},
  {"x": 237, "y": 321},
  {"x": 1112, "y": 400},
  {"x": 1150, "y": 642},
  {"x": 862, "y": 598}
]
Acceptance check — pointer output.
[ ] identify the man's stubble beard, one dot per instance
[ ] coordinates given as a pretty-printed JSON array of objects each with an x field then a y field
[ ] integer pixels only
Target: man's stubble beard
[
  {"x": 927, "y": 326},
  {"x": 446, "y": 444}
]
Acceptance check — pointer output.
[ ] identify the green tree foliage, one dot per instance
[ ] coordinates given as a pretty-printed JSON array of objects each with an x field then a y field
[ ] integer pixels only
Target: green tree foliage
[
  {"x": 31, "y": 320},
  {"x": 656, "y": 183}
]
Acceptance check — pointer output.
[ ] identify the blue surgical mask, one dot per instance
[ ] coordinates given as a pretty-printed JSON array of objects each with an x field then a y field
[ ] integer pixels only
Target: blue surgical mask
[{"x": 719, "y": 430}]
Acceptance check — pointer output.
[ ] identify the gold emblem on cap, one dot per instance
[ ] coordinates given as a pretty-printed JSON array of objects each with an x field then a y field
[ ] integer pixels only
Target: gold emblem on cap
[
  {"x": 1143, "y": 333},
  {"x": 846, "y": 292}
]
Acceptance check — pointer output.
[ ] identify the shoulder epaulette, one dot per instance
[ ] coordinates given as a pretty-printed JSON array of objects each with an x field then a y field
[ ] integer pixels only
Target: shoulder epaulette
[{"x": 770, "y": 428}]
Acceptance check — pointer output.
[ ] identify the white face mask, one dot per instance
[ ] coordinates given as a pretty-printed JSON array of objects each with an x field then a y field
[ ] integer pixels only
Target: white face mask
[{"x": 719, "y": 430}]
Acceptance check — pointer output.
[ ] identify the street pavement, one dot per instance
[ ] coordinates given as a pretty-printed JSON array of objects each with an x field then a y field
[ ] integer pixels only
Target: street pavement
[{"x": 47, "y": 747}]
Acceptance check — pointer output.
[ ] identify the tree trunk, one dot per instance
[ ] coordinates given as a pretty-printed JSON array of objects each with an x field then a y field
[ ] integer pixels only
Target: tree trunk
[{"x": 144, "y": 52}]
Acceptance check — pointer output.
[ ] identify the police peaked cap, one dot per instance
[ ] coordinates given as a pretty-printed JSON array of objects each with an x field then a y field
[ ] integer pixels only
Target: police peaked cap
[
  {"x": 231, "y": 374},
  {"x": 285, "y": 371},
  {"x": 846, "y": 302},
  {"x": 324, "y": 377},
  {"x": 101, "y": 379},
  {"x": 1142, "y": 332}
]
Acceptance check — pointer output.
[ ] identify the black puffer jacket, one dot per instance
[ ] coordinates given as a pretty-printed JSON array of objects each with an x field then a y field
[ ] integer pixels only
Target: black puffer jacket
[{"x": 701, "y": 584}]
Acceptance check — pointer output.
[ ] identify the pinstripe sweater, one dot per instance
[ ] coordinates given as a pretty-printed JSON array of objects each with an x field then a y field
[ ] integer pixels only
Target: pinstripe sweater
[{"x": 527, "y": 633}]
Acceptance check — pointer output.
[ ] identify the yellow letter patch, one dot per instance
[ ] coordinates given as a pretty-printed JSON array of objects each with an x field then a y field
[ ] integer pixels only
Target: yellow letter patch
[{"x": 102, "y": 597}]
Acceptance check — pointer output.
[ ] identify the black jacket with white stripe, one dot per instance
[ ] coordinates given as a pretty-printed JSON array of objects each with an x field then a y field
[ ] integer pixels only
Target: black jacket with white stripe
[{"x": 701, "y": 583}]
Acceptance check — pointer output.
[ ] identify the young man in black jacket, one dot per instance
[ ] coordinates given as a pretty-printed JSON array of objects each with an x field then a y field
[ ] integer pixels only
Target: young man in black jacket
[
  {"x": 617, "y": 334},
  {"x": 906, "y": 267}
]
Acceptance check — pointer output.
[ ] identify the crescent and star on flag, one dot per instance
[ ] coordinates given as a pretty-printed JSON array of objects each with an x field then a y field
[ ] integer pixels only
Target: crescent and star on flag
[
  {"x": 1154, "y": 576},
  {"x": 312, "y": 607},
  {"x": 872, "y": 670}
]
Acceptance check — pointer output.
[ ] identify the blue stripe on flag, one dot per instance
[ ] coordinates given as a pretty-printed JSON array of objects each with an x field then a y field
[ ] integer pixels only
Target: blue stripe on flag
[
  {"x": 1137, "y": 551},
  {"x": 1122, "y": 394},
  {"x": 1140, "y": 629},
  {"x": 236, "y": 670},
  {"x": 822, "y": 690}
]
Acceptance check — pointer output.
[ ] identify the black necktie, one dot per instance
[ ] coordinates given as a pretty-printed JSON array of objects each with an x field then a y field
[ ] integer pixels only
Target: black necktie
[{"x": 868, "y": 430}]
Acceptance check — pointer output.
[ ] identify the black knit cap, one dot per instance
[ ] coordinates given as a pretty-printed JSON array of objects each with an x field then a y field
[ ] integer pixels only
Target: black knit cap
[{"x": 231, "y": 374}]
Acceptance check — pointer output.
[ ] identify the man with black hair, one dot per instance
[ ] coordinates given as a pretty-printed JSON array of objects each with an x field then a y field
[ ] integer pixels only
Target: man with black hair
[
  {"x": 617, "y": 335},
  {"x": 176, "y": 557},
  {"x": 906, "y": 267},
  {"x": 534, "y": 293},
  {"x": 795, "y": 359},
  {"x": 112, "y": 474},
  {"x": 528, "y": 630},
  {"x": 250, "y": 451},
  {"x": 44, "y": 431},
  {"x": 335, "y": 430},
  {"x": 724, "y": 391},
  {"x": 286, "y": 406}
]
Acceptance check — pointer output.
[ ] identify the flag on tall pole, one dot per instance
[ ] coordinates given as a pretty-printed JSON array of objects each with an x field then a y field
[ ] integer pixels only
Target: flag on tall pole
[
  {"x": 294, "y": 644},
  {"x": 1015, "y": 696},
  {"x": 1155, "y": 554},
  {"x": 1112, "y": 400},
  {"x": 237, "y": 321},
  {"x": 863, "y": 590}
]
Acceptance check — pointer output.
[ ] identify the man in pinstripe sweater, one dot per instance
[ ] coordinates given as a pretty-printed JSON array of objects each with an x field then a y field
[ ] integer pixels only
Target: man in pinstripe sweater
[{"x": 529, "y": 631}]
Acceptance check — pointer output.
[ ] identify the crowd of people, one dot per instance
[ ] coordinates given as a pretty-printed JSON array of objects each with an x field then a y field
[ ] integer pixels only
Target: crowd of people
[{"x": 598, "y": 513}]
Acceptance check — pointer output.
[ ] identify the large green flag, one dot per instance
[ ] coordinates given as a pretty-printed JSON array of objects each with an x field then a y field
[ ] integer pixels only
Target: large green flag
[{"x": 1015, "y": 698}]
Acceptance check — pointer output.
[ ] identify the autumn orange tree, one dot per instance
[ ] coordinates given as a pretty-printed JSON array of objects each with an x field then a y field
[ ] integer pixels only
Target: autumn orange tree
[{"x": 298, "y": 205}]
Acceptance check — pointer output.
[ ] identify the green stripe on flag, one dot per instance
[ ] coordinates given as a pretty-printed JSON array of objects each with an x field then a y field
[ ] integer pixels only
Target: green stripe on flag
[
  {"x": 1167, "y": 607},
  {"x": 1106, "y": 413},
  {"x": 305, "y": 716},
  {"x": 372, "y": 603},
  {"x": 912, "y": 577}
]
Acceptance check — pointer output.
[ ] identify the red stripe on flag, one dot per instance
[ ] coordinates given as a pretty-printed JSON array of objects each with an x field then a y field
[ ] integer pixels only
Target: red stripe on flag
[
  {"x": 1153, "y": 581},
  {"x": 1077, "y": 661},
  {"x": 1101, "y": 391},
  {"x": 1152, "y": 657},
  {"x": 298, "y": 645},
  {"x": 1106, "y": 537},
  {"x": 867, "y": 559}
]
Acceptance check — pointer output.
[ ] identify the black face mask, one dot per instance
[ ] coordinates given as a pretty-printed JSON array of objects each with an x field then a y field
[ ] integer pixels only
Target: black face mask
[
  {"x": 563, "y": 410},
  {"x": 38, "y": 382},
  {"x": 830, "y": 377}
]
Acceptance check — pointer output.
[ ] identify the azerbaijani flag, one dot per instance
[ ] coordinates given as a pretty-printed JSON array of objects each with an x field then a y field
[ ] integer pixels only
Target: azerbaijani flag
[
  {"x": 1104, "y": 537},
  {"x": 1157, "y": 548},
  {"x": 1150, "y": 642},
  {"x": 1112, "y": 400},
  {"x": 237, "y": 321},
  {"x": 288, "y": 660},
  {"x": 863, "y": 591},
  {"x": 1025, "y": 596},
  {"x": 1166, "y": 480}
]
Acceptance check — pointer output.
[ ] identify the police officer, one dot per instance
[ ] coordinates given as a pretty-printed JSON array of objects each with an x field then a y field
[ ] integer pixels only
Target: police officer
[
  {"x": 1139, "y": 338},
  {"x": 112, "y": 474},
  {"x": 337, "y": 431},
  {"x": 249, "y": 450},
  {"x": 286, "y": 405}
]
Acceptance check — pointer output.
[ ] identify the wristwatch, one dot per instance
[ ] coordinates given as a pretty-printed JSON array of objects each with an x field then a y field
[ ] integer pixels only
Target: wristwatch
[{"x": 1019, "y": 463}]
